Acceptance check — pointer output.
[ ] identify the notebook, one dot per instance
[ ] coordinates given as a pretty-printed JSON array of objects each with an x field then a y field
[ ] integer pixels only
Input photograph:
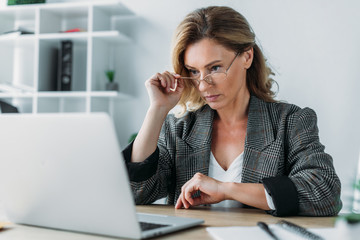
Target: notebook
[
  {"x": 66, "y": 171},
  {"x": 254, "y": 232}
]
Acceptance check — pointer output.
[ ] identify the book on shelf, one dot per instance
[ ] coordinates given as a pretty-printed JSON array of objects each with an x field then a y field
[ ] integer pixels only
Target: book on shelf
[
  {"x": 73, "y": 30},
  {"x": 18, "y": 2},
  {"x": 65, "y": 66}
]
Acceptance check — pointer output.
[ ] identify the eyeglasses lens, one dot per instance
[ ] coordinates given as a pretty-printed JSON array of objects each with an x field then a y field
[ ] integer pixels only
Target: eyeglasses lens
[{"x": 211, "y": 79}]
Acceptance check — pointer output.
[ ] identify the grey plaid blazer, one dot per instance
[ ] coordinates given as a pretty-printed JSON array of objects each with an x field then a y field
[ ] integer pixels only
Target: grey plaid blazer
[{"x": 282, "y": 151}]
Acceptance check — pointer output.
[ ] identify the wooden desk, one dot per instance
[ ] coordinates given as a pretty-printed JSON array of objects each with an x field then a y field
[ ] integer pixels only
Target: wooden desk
[
  {"x": 227, "y": 217},
  {"x": 212, "y": 217}
]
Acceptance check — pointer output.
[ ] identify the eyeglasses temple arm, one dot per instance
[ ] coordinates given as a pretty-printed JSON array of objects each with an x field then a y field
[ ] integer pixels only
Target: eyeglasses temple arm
[{"x": 237, "y": 54}]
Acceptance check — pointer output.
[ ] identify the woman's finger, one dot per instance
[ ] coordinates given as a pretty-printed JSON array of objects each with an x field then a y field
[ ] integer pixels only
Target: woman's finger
[
  {"x": 198, "y": 201},
  {"x": 153, "y": 81},
  {"x": 174, "y": 79},
  {"x": 190, "y": 190},
  {"x": 177, "y": 81},
  {"x": 163, "y": 80},
  {"x": 179, "y": 203},
  {"x": 169, "y": 80},
  {"x": 183, "y": 192},
  {"x": 180, "y": 83}
]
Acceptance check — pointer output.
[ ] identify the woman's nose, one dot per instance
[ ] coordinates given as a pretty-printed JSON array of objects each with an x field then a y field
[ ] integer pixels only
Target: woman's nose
[{"x": 203, "y": 85}]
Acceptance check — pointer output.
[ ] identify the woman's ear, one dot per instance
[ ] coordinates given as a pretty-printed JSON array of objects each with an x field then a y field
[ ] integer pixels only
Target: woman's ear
[{"x": 248, "y": 58}]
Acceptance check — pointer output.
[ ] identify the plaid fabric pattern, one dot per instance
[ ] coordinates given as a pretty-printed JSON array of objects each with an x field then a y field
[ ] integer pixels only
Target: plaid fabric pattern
[{"x": 282, "y": 140}]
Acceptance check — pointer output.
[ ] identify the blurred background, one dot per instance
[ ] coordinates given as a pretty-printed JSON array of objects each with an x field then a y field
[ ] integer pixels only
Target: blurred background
[{"x": 312, "y": 46}]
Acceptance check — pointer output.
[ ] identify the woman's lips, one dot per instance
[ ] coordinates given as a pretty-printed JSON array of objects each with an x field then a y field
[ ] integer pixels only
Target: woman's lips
[{"x": 211, "y": 98}]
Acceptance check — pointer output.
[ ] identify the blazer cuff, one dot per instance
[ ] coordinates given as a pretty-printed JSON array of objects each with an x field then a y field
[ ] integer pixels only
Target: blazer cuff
[
  {"x": 284, "y": 195},
  {"x": 140, "y": 171}
]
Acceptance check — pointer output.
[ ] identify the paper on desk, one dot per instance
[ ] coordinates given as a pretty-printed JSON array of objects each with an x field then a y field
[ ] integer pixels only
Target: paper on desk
[{"x": 254, "y": 233}]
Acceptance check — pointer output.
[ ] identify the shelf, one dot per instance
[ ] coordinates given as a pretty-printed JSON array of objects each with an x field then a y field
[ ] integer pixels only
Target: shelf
[
  {"x": 111, "y": 36},
  {"x": 67, "y": 5},
  {"x": 109, "y": 94},
  {"x": 82, "y": 36},
  {"x": 12, "y": 39},
  {"x": 74, "y": 94},
  {"x": 33, "y": 60},
  {"x": 66, "y": 94},
  {"x": 105, "y": 94},
  {"x": 16, "y": 95},
  {"x": 31, "y": 64},
  {"x": 61, "y": 94}
]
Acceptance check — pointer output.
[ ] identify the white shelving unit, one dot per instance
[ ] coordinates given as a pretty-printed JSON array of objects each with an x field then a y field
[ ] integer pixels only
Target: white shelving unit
[{"x": 28, "y": 67}]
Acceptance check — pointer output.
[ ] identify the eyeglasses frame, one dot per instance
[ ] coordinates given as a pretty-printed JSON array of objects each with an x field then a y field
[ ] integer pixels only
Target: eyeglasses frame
[{"x": 210, "y": 82}]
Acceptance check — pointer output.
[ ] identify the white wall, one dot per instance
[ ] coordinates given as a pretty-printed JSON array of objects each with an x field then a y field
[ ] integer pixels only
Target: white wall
[{"x": 313, "y": 46}]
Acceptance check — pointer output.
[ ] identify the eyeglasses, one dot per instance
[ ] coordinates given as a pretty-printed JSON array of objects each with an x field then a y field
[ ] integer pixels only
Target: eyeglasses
[{"x": 212, "y": 78}]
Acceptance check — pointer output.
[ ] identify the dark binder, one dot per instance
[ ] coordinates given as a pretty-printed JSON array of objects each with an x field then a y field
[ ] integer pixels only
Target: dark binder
[
  {"x": 7, "y": 108},
  {"x": 65, "y": 66}
]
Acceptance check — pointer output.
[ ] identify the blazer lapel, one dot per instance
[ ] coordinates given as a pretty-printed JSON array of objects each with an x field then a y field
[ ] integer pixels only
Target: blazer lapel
[
  {"x": 259, "y": 131},
  {"x": 259, "y": 135},
  {"x": 201, "y": 130}
]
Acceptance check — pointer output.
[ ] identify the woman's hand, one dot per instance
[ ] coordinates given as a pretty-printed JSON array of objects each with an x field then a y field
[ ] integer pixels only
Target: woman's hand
[
  {"x": 214, "y": 191},
  {"x": 210, "y": 191},
  {"x": 164, "y": 90}
]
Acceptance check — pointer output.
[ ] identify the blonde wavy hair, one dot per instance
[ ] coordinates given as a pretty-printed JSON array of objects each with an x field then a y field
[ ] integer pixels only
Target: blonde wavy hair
[{"x": 229, "y": 28}]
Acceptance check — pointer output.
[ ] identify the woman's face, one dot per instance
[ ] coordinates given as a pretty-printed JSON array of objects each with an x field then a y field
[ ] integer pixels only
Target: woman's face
[{"x": 205, "y": 57}]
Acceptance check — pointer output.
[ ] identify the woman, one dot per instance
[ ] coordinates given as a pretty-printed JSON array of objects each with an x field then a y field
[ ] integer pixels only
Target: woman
[{"x": 233, "y": 143}]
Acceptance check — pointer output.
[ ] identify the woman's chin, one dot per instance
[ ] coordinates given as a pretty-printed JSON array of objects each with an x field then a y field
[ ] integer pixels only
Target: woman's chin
[{"x": 215, "y": 105}]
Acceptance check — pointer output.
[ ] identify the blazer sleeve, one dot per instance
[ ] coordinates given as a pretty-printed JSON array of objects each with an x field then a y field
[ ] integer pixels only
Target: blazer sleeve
[
  {"x": 311, "y": 187},
  {"x": 151, "y": 179}
]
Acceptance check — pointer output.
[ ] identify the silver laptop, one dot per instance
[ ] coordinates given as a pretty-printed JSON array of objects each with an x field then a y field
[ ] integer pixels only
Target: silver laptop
[{"x": 66, "y": 171}]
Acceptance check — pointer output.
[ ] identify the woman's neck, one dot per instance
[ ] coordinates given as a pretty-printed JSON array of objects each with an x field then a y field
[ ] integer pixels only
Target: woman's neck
[{"x": 236, "y": 112}]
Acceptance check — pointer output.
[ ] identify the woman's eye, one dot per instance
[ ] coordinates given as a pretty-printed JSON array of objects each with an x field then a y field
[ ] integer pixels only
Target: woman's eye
[
  {"x": 193, "y": 72},
  {"x": 215, "y": 68}
]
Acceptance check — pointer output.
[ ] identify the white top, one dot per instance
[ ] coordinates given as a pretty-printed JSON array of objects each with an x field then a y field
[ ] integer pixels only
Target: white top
[{"x": 232, "y": 174}]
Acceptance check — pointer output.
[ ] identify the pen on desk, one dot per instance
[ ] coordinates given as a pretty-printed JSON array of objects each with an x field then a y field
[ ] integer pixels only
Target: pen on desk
[
  {"x": 299, "y": 230},
  {"x": 266, "y": 228}
]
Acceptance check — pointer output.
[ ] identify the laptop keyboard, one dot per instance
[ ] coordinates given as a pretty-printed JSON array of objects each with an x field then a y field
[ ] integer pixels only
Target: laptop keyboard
[{"x": 148, "y": 226}]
